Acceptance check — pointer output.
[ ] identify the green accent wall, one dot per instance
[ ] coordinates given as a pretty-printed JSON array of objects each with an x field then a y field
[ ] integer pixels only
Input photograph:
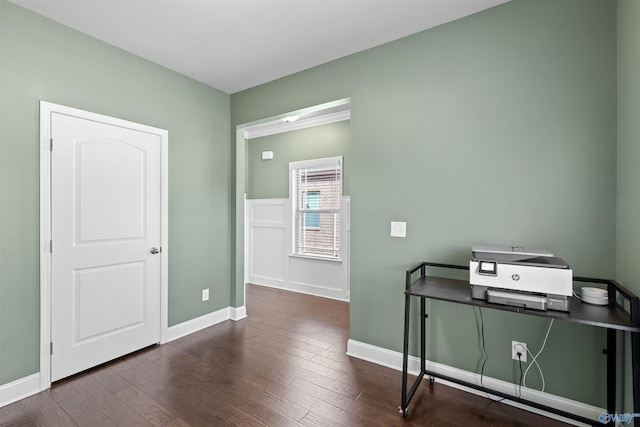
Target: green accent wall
[
  {"x": 628, "y": 204},
  {"x": 43, "y": 60},
  {"x": 267, "y": 179},
  {"x": 496, "y": 128}
]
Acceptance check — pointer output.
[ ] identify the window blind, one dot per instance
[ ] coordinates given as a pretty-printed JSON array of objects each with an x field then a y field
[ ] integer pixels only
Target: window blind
[{"x": 316, "y": 190}]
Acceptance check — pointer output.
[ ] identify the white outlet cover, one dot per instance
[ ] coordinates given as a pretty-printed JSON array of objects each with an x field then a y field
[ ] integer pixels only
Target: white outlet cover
[
  {"x": 205, "y": 294},
  {"x": 398, "y": 229},
  {"x": 517, "y": 346}
]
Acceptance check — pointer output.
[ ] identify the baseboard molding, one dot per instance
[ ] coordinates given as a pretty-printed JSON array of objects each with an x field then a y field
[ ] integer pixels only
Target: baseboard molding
[
  {"x": 238, "y": 313},
  {"x": 393, "y": 360},
  {"x": 315, "y": 291},
  {"x": 19, "y": 389},
  {"x": 194, "y": 325}
]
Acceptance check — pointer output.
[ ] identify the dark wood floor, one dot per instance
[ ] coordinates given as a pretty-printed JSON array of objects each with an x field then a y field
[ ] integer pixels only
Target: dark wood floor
[{"x": 284, "y": 365}]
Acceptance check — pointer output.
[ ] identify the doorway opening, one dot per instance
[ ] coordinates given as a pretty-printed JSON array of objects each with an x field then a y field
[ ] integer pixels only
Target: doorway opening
[{"x": 263, "y": 221}]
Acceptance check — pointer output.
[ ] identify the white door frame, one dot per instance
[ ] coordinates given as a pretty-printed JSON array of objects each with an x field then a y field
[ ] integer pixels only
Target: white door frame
[{"x": 46, "y": 109}]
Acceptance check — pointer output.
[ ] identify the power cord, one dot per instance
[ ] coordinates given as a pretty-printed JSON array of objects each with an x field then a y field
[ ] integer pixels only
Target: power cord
[
  {"x": 535, "y": 361},
  {"x": 521, "y": 374},
  {"x": 486, "y": 356},
  {"x": 484, "y": 351}
]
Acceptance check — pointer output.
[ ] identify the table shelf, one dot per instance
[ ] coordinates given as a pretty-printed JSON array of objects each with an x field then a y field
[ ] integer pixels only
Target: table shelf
[
  {"x": 621, "y": 314},
  {"x": 459, "y": 292}
]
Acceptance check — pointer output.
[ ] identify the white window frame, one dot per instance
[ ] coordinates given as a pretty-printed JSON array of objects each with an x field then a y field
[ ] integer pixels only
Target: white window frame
[{"x": 328, "y": 162}]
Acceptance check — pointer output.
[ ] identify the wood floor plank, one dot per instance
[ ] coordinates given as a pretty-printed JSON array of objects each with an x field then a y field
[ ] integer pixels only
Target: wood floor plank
[
  {"x": 83, "y": 412},
  {"x": 177, "y": 422},
  {"x": 270, "y": 400},
  {"x": 109, "y": 404},
  {"x": 151, "y": 410},
  {"x": 46, "y": 411},
  {"x": 110, "y": 378},
  {"x": 195, "y": 407},
  {"x": 257, "y": 410},
  {"x": 336, "y": 411},
  {"x": 15, "y": 415},
  {"x": 316, "y": 420},
  {"x": 321, "y": 393},
  {"x": 327, "y": 378},
  {"x": 235, "y": 417}
]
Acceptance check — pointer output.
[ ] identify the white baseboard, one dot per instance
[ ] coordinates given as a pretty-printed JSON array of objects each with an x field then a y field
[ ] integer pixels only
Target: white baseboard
[
  {"x": 315, "y": 291},
  {"x": 393, "y": 360},
  {"x": 238, "y": 313},
  {"x": 194, "y": 325},
  {"x": 19, "y": 389}
]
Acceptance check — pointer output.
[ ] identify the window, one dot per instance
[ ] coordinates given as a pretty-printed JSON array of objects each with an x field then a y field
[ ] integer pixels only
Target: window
[
  {"x": 312, "y": 202},
  {"x": 316, "y": 190}
]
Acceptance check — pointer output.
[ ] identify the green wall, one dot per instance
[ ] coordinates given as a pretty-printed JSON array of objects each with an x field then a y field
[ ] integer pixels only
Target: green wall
[
  {"x": 270, "y": 178},
  {"x": 628, "y": 224},
  {"x": 497, "y": 128},
  {"x": 43, "y": 60},
  {"x": 628, "y": 144}
]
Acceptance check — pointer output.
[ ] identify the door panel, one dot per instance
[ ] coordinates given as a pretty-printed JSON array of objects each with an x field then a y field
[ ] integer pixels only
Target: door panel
[
  {"x": 110, "y": 206},
  {"x": 107, "y": 300},
  {"x": 105, "y": 210}
]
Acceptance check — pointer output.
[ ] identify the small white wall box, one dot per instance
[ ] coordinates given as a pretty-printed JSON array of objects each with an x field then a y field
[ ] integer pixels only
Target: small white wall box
[
  {"x": 267, "y": 155},
  {"x": 398, "y": 229}
]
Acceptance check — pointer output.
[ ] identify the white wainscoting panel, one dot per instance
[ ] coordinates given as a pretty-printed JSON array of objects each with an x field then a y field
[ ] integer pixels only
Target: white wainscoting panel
[
  {"x": 268, "y": 263},
  {"x": 325, "y": 278},
  {"x": 267, "y": 240},
  {"x": 269, "y": 232}
]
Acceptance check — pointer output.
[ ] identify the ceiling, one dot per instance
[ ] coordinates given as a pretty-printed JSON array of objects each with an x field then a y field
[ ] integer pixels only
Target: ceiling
[{"x": 233, "y": 45}]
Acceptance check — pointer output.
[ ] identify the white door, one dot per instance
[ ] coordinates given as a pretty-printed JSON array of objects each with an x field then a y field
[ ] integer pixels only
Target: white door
[{"x": 105, "y": 229}]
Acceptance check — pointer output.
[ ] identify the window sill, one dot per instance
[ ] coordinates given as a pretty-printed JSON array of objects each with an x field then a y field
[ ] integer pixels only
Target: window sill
[{"x": 317, "y": 258}]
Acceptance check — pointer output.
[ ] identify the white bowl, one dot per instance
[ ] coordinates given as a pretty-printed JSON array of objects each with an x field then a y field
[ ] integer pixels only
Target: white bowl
[{"x": 595, "y": 296}]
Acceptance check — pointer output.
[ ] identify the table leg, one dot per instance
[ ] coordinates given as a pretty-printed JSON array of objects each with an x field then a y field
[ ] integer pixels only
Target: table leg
[
  {"x": 635, "y": 368},
  {"x": 611, "y": 370},
  {"x": 423, "y": 340},
  {"x": 405, "y": 354}
]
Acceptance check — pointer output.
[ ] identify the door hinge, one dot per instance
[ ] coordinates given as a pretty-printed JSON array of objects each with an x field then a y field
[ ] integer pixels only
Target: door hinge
[
  {"x": 51, "y": 348},
  {"x": 51, "y": 144},
  {"x": 51, "y": 246}
]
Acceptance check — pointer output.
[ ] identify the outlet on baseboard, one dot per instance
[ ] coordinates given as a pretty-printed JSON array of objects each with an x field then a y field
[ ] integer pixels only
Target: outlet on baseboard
[
  {"x": 205, "y": 295},
  {"x": 519, "y": 347}
]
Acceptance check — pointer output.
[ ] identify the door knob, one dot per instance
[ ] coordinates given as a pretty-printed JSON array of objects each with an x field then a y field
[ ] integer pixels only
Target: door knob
[{"x": 155, "y": 251}]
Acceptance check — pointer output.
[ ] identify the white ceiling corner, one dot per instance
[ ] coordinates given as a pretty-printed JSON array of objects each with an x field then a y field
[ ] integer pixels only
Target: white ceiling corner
[{"x": 233, "y": 45}]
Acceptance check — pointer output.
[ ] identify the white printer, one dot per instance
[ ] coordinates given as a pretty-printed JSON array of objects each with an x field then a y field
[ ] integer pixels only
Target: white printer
[{"x": 513, "y": 275}]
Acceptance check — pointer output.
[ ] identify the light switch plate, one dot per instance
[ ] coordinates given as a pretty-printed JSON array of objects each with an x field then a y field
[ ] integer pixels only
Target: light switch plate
[{"x": 398, "y": 229}]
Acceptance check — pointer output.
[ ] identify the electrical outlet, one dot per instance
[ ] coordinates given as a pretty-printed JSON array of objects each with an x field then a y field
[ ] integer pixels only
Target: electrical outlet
[
  {"x": 519, "y": 347},
  {"x": 398, "y": 229},
  {"x": 205, "y": 294}
]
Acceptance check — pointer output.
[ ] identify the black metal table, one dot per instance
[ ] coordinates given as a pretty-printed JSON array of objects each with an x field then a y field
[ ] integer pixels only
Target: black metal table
[{"x": 614, "y": 317}]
